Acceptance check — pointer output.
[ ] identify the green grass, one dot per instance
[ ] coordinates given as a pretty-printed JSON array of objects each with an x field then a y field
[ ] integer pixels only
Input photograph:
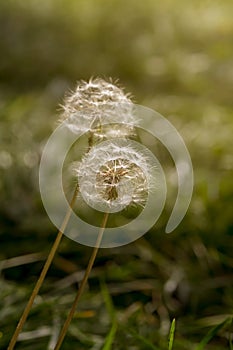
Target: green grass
[
  {"x": 174, "y": 57},
  {"x": 212, "y": 333},
  {"x": 171, "y": 335}
]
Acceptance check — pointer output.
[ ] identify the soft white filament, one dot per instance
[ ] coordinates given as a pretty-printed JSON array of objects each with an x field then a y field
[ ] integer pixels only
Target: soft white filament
[
  {"x": 96, "y": 103},
  {"x": 114, "y": 175}
]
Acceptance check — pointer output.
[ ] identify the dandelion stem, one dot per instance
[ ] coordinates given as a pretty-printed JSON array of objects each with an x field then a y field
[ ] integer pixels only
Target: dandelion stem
[
  {"x": 83, "y": 283},
  {"x": 43, "y": 273}
]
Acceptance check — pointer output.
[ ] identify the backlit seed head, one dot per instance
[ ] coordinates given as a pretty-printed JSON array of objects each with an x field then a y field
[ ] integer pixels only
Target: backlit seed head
[
  {"x": 114, "y": 175},
  {"x": 96, "y": 103}
]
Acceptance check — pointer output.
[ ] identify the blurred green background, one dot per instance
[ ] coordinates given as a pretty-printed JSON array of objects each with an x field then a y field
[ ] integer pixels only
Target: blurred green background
[{"x": 174, "y": 57}]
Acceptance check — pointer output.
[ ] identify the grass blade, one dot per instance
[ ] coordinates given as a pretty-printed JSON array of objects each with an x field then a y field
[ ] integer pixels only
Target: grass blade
[
  {"x": 211, "y": 334},
  {"x": 108, "y": 301},
  {"x": 110, "y": 337},
  {"x": 111, "y": 311},
  {"x": 171, "y": 335}
]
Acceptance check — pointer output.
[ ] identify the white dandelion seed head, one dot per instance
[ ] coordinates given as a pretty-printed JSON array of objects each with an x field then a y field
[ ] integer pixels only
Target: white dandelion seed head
[
  {"x": 114, "y": 175},
  {"x": 96, "y": 103}
]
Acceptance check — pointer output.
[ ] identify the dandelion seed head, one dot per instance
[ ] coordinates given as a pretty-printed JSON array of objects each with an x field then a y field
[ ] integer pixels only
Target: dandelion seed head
[
  {"x": 96, "y": 103},
  {"x": 114, "y": 175}
]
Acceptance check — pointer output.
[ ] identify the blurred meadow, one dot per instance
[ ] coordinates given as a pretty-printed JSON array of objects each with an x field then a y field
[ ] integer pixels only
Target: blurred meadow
[{"x": 174, "y": 57}]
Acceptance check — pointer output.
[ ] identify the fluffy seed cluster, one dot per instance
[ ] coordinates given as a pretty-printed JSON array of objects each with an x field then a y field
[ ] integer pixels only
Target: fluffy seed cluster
[
  {"x": 114, "y": 175},
  {"x": 96, "y": 103}
]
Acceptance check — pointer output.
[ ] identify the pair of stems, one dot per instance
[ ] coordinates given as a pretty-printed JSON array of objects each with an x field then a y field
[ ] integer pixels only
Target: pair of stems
[
  {"x": 83, "y": 283},
  {"x": 45, "y": 270}
]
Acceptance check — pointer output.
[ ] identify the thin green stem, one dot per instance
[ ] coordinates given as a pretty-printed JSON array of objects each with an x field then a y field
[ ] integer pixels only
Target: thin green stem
[
  {"x": 83, "y": 283},
  {"x": 43, "y": 273}
]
